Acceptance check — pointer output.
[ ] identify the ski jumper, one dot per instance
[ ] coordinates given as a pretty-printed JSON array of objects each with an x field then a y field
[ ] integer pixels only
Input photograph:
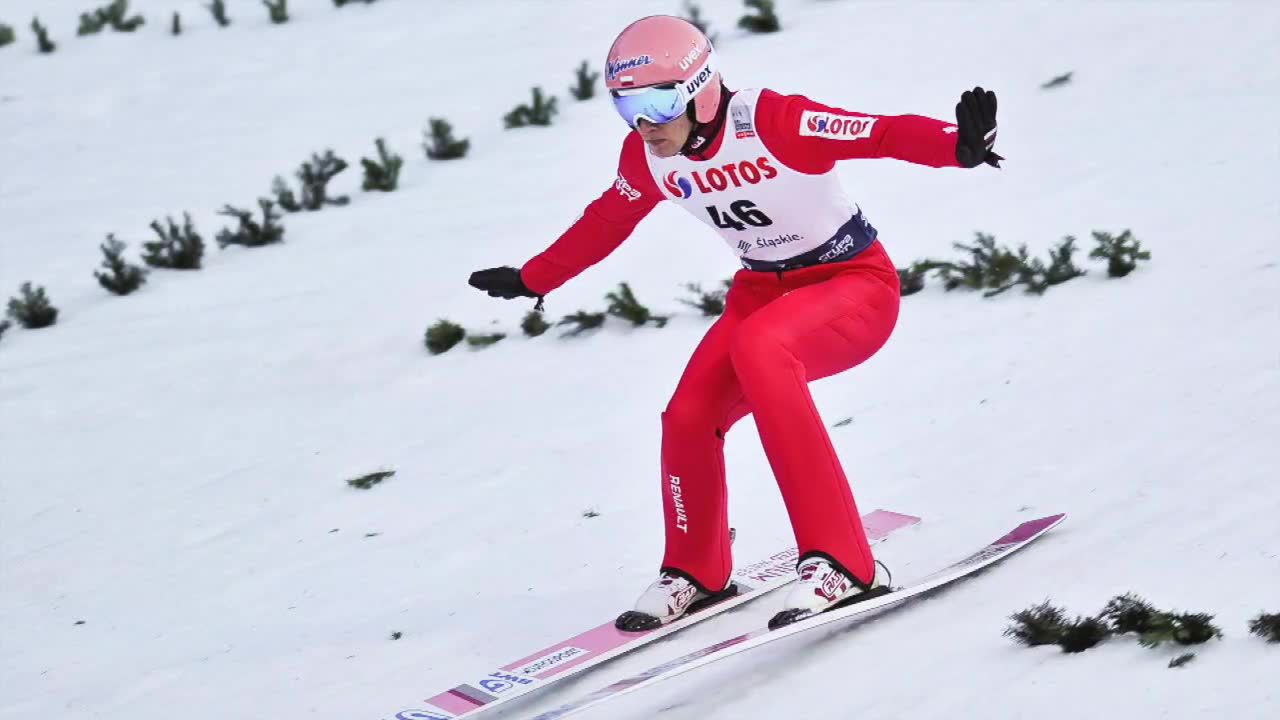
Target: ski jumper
[{"x": 817, "y": 295}]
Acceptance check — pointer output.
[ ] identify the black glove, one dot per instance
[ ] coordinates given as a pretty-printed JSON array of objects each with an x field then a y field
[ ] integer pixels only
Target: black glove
[
  {"x": 503, "y": 282},
  {"x": 976, "y": 126}
]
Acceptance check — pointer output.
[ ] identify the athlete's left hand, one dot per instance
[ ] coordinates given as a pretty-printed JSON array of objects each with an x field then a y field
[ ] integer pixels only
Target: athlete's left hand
[{"x": 976, "y": 128}]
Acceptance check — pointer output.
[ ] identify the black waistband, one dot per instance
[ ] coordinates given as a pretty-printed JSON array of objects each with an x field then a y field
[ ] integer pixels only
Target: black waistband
[{"x": 851, "y": 239}]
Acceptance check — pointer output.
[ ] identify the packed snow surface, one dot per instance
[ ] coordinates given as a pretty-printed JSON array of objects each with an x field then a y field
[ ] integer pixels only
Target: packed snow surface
[{"x": 173, "y": 463}]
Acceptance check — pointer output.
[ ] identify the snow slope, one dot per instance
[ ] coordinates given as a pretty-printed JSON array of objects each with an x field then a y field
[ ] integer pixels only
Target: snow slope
[{"x": 172, "y": 463}]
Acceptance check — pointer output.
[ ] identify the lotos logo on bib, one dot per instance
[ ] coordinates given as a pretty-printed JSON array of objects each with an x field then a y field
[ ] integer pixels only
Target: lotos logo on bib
[
  {"x": 715, "y": 179},
  {"x": 678, "y": 187},
  {"x": 836, "y": 127}
]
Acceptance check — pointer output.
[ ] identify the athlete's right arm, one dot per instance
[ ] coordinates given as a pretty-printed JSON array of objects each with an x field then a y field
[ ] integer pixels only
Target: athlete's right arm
[{"x": 606, "y": 222}]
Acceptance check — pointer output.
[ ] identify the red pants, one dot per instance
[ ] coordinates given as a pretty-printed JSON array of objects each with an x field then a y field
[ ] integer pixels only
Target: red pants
[{"x": 777, "y": 333}]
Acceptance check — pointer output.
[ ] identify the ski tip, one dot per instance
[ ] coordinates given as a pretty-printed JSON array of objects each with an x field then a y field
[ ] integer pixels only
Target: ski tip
[
  {"x": 902, "y": 518},
  {"x": 1031, "y": 529}
]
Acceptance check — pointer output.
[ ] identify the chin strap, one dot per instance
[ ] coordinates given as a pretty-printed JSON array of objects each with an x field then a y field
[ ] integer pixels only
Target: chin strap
[{"x": 701, "y": 136}]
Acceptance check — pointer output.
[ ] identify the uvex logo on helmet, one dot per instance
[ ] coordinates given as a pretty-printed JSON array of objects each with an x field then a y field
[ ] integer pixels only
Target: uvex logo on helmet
[
  {"x": 836, "y": 127},
  {"x": 687, "y": 61},
  {"x": 691, "y": 87},
  {"x": 716, "y": 179}
]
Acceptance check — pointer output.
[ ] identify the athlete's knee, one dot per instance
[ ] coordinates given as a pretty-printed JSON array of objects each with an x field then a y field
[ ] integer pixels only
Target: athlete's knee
[
  {"x": 689, "y": 413},
  {"x": 756, "y": 345}
]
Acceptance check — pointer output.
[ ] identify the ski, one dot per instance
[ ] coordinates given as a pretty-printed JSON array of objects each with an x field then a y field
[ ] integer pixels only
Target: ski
[
  {"x": 996, "y": 551},
  {"x": 604, "y": 642}
]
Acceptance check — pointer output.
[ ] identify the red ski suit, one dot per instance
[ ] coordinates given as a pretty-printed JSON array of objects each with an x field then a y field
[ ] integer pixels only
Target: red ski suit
[{"x": 779, "y": 331}]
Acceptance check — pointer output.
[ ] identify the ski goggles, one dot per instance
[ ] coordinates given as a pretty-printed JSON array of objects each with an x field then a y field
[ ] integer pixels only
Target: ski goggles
[{"x": 661, "y": 104}]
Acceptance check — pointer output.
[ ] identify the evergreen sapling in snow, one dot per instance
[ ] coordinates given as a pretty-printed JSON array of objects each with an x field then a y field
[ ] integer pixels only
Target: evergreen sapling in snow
[
  {"x": 1266, "y": 626},
  {"x": 443, "y": 335},
  {"x": 383, "y": 174},
  {"x": 582, "y": 322},
  {"x": 32, "y": 308},
  {"x": 1037, "y": 625},
  {"x": 43, "y": 43},
  {"x": 539, "y": 112},
  {"x": 115, "y": 14},
  {"x": 440, "y": 144},
  {"x": 250, "y": 232},
  {"x": 711, "y": 304},
  {"x": 176, "y": 27},
  {"x": 764, "y": 21},
  {"x": 534, "y": 324},
  {"x": 6, "y": 35},
  {"x": 1121, "y": 253},
  {"x": 340, "y": 3},
  {"x": 1082, "y": 634},
  {"x": 177, "y": 249},
  {"x": 4, "y": 326},
  {"x": 911, "y": 279},
  {"x": 218, "y": 8},
  {"x": 278, "y": 11},
  {"x": 586, "y": 87},
  {"x": 314, "y": 176},
  {"x": 1128, "y": 613},
  {"x": 623, "y": 304},
  {"x": 121, "y": 277},
  {"x": 1058, "y": 81},
  {"x": 484, "y": 341},
  {"x": 364, "y": 482}
]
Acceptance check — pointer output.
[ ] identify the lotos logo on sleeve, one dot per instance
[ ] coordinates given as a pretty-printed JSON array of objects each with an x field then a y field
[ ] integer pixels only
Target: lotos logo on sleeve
[{"x": 836, "y": 127}]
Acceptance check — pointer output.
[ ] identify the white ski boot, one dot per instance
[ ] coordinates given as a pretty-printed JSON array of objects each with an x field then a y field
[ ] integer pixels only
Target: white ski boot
[
  {"x": 670, "y": 597},
  {"x": 822, "y": 587}
]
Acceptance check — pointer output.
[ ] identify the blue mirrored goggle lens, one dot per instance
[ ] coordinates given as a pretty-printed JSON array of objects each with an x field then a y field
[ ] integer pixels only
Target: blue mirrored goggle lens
[{"x": 657, "y": 105}]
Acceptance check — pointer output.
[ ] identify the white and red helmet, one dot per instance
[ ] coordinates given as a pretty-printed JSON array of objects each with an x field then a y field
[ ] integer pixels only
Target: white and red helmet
[{"x": 669, "y": 55}]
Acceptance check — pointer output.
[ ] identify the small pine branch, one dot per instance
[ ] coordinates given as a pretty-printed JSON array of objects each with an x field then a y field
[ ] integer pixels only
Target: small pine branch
[
  {"x": 364, "y": 482},
  {"x": 764, "y": 21},
  {"x": 911, "y": 279},
  {"x": 623, "y": 304},
  {"x": 176, "y": 27},
  {"x": 4, "y": 326},
  {"x": 121, "y": 277},
  {"x": 397, "y": 635},
  {"x": 1266, "y": 626},
  {"x": 31, "y": 308},
  {"x": 1058, "y": 81},
  {"x": 278, "y": 10},
  {"x": 251, "y": 233},
  {"x": 693, "y": 14},
  {"x": 1082, "y": 634},
  {"x": 218, "y": 8},
  {"x": 315, "y": 175},
  {"x": 586, "y": 82},
  {"x": 1181, "y": 660},
  {"x": 340, "y": 3},
  {"x": 582, "y": 322},
  {"x": 443, "y": 335},
  {"x": 1121, "y": 253},
  {"x": 383, "y": 174},
  {"x": 117, "y": 15},
  {"x": 43, "y": 43},
  {"x": 1182, "y": 628},
  {"x": 284, "y": 195},
  {"x": 590, "y": 513},
  {"x": 1061, "y": 268},
  {"x": 91, "y": 23},
  {"x": 534, "y": 324},
  {"x": 711, "y": 304},
  {"x": 7, "y": 35},
  {"x": 177, "y": 248},
  {"x": 1128, "y": 613},
  {"x": 539, "y": 112},
  {"x": 484, "y": 341},
  {"x": 1037, "y": 625},
  {"x": 440, "y": 144}
]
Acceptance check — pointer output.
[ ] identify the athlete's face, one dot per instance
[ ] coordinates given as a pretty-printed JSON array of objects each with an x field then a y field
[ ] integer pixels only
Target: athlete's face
[{"x": 665, "y": 140}]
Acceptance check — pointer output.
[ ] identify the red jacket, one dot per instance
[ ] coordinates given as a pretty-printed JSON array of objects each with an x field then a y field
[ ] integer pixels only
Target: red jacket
[{"x": 610, "y": 218}]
